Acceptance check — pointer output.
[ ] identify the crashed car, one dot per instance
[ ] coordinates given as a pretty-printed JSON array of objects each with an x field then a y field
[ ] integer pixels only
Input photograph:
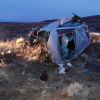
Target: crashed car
[{"x": 66, "y": 40}]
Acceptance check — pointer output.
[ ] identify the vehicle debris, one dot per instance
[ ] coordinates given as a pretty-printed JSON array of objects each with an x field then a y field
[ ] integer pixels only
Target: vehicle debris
[
  {"x": 44, "y": 76},
  {"x": 65, "y": 41},
  {"x": 7, "y": 57}
]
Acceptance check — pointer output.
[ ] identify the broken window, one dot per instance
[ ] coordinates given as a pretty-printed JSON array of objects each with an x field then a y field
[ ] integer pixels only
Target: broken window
[
  {"x": 66, "y": 42},
  {"x": 43, "y": 35}
]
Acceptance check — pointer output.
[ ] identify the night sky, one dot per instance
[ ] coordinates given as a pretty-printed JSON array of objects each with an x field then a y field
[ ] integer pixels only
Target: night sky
[{"x": 38, "y": 10}]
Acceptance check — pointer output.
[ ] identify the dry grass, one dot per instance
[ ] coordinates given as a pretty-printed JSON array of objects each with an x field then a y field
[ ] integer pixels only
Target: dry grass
[
  {"x": 95, "y": 37},
  {"x": 38, "y": 52},
  {"x": 75, "y": 91},
  {"x": 4, "y": 46},
  {"x": 3, "y": 75},
  {"x": 67, "y": 87}
]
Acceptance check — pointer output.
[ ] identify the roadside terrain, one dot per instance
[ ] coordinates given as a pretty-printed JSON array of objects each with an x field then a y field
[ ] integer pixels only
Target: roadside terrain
[{"x": 20, "y": 77}]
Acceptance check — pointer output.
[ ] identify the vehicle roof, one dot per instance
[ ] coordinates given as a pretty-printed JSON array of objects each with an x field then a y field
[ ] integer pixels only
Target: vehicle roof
[{"x": 56, "y": 25}]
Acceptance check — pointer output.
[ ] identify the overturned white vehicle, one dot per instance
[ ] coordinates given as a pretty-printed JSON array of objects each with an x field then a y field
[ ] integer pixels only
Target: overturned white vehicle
[{"x": 65, "y": 41}]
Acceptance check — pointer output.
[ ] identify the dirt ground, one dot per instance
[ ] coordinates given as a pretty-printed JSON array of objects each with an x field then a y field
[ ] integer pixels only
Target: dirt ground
[{"x": 20, "y": 80}]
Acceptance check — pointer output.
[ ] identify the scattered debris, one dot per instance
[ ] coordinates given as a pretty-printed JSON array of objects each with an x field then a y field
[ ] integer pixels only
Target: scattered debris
[
  {"x": 44, "y": 76},
  {"x": 32, "y": 36},
  {"x": 7, "y": 57},
  {"x": 78, "y": 91}
]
